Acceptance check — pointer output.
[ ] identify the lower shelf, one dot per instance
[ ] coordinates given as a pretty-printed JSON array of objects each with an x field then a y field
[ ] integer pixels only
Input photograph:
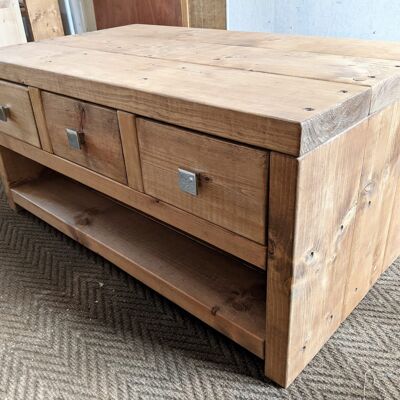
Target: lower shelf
[{"x": 216, "y": 288}]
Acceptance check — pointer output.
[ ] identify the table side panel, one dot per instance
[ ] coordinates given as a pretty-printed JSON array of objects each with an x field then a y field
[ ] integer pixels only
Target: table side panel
[
  {"x": 376, "y": 201},
  {"x": 393, "y": 241},
  {"x": 311, "y": 232}
]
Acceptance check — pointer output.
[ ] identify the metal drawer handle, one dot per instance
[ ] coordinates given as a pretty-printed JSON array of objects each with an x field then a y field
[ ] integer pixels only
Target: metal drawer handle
[
  {"x": 4, "y": 113},
  {"x": 75, "y": 138},
  {"x": 188, "y": 181}
]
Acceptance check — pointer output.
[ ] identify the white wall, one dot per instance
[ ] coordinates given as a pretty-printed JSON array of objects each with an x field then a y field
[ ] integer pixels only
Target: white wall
[{"x": 366, "y": 19}]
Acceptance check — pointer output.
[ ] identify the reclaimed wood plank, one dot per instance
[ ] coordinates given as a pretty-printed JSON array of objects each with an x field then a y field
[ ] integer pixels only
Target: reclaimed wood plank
[
  {"x": 388, "y": 50},
  {"x": 393, "y": 239},
  {"x": 38, "y": 111},
  {"x": 45, "y": 18},
  {"x": 338, "y": 68},
  {"x": 275, "y": 112},
  {"x": 313, "y": 202},
  {"x": 375, "y": 203},
  {"x": 130, "y": 147}
]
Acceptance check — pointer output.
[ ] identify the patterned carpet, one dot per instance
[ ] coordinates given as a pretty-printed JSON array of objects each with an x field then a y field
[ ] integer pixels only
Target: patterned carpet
[{"x": 73, "y": 326}]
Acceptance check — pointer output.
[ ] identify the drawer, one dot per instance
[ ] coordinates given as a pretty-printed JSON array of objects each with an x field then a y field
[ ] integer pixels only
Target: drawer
[
  {"x": 16, "y": 115},
  {"x": 231, "y": 178},
  {"x": 100, "y": 146}
]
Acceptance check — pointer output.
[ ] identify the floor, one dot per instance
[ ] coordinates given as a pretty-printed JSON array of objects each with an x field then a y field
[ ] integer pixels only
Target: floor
[{"x": 73, "y": 326}]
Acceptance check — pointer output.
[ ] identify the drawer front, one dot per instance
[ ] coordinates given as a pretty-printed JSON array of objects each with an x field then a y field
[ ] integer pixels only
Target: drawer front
[
  {"x": 85, "y": 134},
  {"x": 231, "y": 179},
  {"x": 16, "y": 114}
]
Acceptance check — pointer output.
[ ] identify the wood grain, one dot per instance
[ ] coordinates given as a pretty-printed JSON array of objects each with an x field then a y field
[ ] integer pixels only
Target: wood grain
[
  {"x": 375, "y": 205},
  {"x": 266, "y": 110},
  {"x": 147, "y": 43},
  {"x": 388, "y": 50},
  {"x": 219, "y": 290},
  {"x": 232, "y": 178},
  {"x": 281, "y": 224},
  {"x": 392, "y": 214},
  {"x": 381, "y": 75},
  {"x": 38, "y": 111},
  {"x": 393, "y": 239},
  {"x": 45, "y": 18},
  {"x": 102, "y": 150},
  {"x": 210, "y": 233},
  {"x": 313, "y": 204},
  {"x": 325, "y": 114},
  {"x": 21, "y": 122},
  {"x": 130, "y": 147}
]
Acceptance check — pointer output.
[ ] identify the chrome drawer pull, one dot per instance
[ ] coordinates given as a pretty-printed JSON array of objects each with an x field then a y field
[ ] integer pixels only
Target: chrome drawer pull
[
  {"x": 75, "y": 139},
  {"x": 188, "y": 181},
  {"x": 4, "y": 113}
]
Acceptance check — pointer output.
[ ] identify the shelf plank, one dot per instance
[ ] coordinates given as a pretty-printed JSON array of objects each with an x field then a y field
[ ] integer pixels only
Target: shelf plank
[{"x": 218, "y": 289}]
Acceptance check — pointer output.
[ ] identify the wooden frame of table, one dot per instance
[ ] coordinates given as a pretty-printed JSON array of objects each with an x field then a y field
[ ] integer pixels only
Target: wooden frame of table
[{"x": 298, "y": 211}]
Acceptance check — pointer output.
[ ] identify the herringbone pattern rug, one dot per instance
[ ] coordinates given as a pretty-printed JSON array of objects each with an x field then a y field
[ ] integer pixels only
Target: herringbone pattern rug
[{"x": 73, "y": 326}]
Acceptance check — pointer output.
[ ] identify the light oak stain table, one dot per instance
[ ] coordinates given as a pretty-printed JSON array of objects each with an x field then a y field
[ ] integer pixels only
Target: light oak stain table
[{"x": 251, "y": 178}]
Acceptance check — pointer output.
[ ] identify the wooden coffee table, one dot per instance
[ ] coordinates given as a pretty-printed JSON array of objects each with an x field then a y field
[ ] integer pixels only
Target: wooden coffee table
[{"x": 252, "y": 179}]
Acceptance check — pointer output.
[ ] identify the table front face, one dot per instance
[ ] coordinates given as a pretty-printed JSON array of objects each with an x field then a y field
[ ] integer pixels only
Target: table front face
[{"x": 228, "y": 208}]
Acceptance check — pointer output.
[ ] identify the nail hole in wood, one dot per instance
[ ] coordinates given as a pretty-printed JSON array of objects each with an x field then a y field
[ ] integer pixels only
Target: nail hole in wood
[
  {"x": 214, "y": 310},
  {"x": 356, "y": 289},
  {"x": 344, "y": 91},
  {"x": 309, "y": 109},
  {"x": 312, "y": 254},
  {"x": 371, "y": 76},
  {"x": 369, "y": 203},
  {"x": 341, "y": 227}
]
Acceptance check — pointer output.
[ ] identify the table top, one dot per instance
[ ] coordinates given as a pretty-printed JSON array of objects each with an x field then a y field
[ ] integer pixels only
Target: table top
[{"x": 280, "y": 92}]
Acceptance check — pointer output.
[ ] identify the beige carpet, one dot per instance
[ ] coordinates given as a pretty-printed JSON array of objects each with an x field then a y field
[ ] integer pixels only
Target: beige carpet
[{"x": 73, "y": 326}]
